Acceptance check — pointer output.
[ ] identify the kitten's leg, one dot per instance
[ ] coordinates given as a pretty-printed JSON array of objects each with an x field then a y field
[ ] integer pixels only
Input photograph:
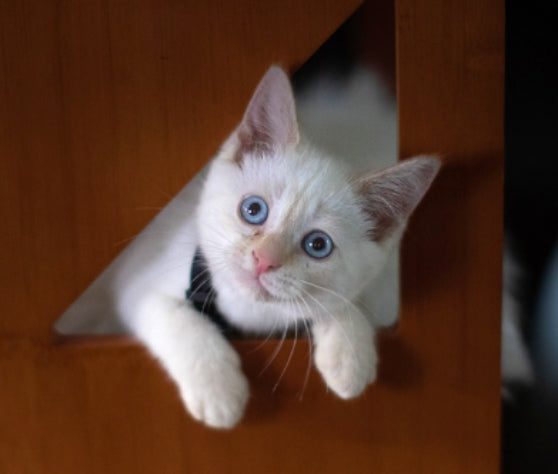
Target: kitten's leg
[
  {"x": 199, "y": 359},
  {"x": 345, "y": 352}
]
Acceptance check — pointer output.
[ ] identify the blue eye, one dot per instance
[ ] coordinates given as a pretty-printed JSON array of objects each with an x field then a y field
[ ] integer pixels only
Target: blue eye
[
  {"x": 254, "y": 210},
  {"x": 317, "y": 244}
]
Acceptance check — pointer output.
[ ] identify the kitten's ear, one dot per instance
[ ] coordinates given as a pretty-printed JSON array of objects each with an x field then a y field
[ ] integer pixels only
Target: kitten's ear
[
  {"x": 269, "y": 122},
  {"x": 390, "y": 196}
]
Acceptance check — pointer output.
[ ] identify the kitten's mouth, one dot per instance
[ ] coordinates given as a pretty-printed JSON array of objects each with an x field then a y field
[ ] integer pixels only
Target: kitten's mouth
[{"x": 255, "y": 286}]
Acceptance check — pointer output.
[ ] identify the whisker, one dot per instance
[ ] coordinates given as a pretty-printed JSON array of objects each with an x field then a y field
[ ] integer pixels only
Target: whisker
[
  {"x": 310, "y": 352},
  {"x": 330, "y": 291},
  {"x": 288, "y": 360},
  {"x": 195, "y": 292},
  {"x": 203, "y": 273},
  {"x": 334, "y": 319},
  {"x": 209, "y": 299},
  {"x": 275, "y": 351},
  {"x": 267, "y": 339},
  {"x": 348, "y": 303}
]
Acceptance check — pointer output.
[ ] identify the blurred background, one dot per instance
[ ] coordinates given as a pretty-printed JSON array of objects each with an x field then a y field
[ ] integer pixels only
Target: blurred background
[{"x": 530, "y": 417}]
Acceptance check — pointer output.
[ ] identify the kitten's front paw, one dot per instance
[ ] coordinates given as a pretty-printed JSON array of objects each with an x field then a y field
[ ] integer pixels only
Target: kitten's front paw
[
  {"x": 347, "y": 365},
  {"x": 216, "y": 393}
]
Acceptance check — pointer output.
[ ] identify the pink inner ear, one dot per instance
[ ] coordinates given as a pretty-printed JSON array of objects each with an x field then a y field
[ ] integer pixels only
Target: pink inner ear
[
  {"x": 269, "y": 122},
  {"x": 391, "y": 195}
]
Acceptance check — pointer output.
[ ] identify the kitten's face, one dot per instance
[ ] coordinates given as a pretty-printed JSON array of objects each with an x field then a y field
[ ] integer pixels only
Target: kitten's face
[
  {"x": 287, "y": 227},
  {"x": 280, "y": 223}
]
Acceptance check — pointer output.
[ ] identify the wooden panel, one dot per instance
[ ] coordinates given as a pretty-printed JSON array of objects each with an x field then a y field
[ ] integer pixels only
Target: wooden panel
[
  {"x": 451, "y": 101},
  {"x": 106, "y": 107}
]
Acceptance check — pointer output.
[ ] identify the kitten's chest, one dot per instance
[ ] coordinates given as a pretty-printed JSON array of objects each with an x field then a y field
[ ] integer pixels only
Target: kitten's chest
[{"x": 253, "y": 316}]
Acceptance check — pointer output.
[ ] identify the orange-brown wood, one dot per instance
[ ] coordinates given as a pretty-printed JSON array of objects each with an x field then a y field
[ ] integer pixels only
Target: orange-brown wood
[
  {"x": 450, "y": 57},
  {"x": 107, "y": 108}
]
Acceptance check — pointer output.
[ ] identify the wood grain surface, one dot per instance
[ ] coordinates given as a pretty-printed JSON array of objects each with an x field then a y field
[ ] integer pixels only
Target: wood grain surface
[{"x": 107, "y": 109}]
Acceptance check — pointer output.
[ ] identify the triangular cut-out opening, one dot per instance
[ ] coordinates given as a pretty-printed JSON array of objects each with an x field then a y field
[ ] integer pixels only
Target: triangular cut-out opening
[{"x": 345, "y": 105}]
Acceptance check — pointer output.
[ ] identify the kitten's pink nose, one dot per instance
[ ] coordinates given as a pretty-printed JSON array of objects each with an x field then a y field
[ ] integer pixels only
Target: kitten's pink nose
[{"x": 264, "y": 262}]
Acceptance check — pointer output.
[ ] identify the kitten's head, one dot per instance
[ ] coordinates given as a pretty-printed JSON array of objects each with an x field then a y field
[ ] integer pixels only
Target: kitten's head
[{"x": 281, "y": 222}]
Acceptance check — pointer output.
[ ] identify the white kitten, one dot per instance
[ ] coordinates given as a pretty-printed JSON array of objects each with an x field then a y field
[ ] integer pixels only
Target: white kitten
[{"x": 289, "y": 236}]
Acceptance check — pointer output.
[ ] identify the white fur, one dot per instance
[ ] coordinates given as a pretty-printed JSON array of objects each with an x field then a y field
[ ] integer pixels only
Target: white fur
[
  {"x": 305, "y": 190},
  {"x": 197, "y": 357}
]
